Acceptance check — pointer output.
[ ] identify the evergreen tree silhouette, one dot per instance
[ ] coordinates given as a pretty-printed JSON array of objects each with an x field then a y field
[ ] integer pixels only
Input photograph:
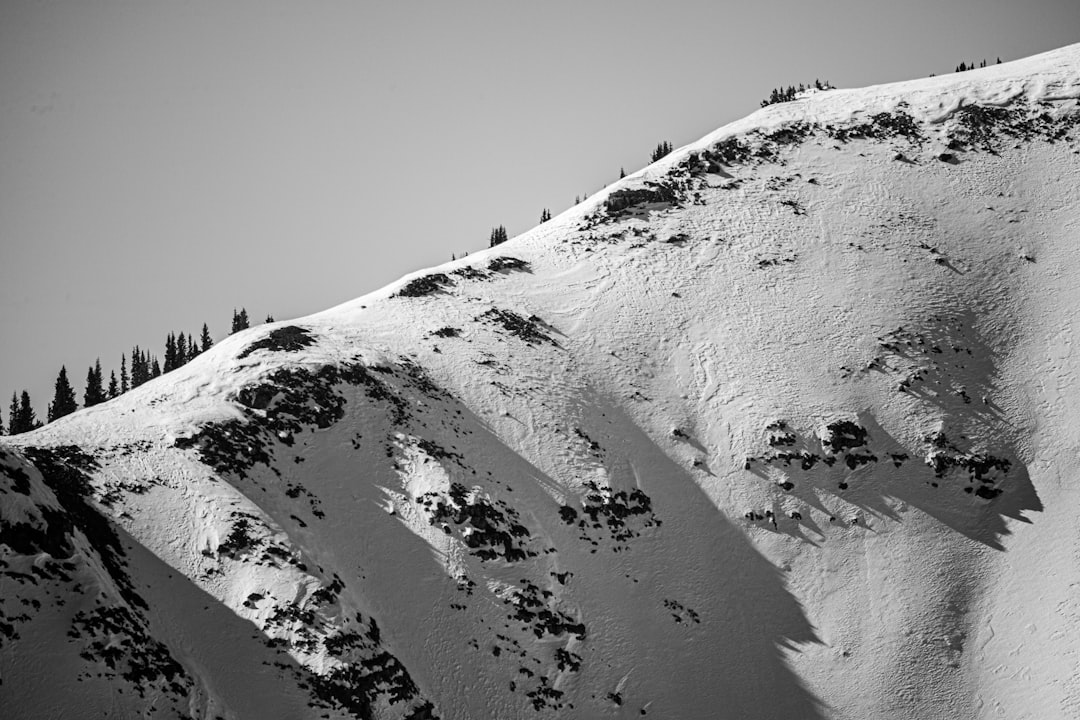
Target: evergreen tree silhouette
[
  {"x": 661, "y": 150},
  {"x": 136, "y": 378},
  {"x": 170, "y": 352},
  {"x": 13, "y": 415},
  {"x": 269, "y": 319},
  {"x": 124, "y": 387},
  {"x": 114, "y": 388},
  {"x": 240, "y": 320},
  {"x": 95, "y": 393},
  {"x": 25, "y": 420},
  {"x": 140, "y": 368},
  {"x": 545, "y": 215},
  {"x": 205, "y": 341},
  {"x": 63, "y": 398},
  {"x": 181, "y": 350},
  {"x": 498, "y": 236},
  {"x": 155, "y": 369}
]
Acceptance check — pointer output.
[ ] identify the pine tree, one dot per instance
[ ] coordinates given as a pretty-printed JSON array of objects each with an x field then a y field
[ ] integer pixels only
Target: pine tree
[
  {"x": 240, "y": 320},
  {"x": 22, "y": 418},
  {"x": 140, "y": 369},
  {"x": 27, "y": 417},
  {"x": 205, "y": 342},
  {"x": 661, "y": 150},
  {"x": 498, "y": 236},
  {"x": 95, "y": 393},
  {"x": 63, "y": 398},
  {"x": 622, "y": 173},
  {"x": 13, "y": 415},
  {"x": 155, "y": 369},
  {"x": 181, "y": 350},
  {"x": 114, "y": 389},
  {"x": 545, "y": 215},
  {"x": 136, "y": 380},
  {"x": 999, "y": 61},
  {"x": 170, "y": 352},
  {"x": 123, "y": 375},
  {"x": 269, "y": 319}
]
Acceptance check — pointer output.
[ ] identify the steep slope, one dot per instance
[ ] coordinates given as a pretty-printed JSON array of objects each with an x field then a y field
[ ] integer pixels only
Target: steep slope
[{"x": 780, "y": 426}]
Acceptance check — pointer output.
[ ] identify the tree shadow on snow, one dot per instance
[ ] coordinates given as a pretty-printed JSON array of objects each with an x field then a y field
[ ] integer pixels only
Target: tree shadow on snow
[
  {"x": 730, "y": 664},
  {"x": 978, "y": 510},
  {"x": 691, "y": 617}
]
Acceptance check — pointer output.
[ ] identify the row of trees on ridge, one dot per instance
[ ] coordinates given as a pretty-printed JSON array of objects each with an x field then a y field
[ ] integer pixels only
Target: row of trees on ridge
[{"x": 180, "y": 349}]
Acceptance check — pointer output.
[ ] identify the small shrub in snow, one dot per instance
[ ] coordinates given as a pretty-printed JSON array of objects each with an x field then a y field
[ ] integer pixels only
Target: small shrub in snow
[
  {"x": 286, "y": 339},
  {"x": 506, "y": 262},
  {"x": 446, "y": 332},
  {"x": 425, "y": 285}
]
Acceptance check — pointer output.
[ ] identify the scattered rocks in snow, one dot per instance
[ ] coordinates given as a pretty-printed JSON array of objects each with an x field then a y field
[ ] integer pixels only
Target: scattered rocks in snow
[
  {"x": 526, "y": 329},
  {"x": 983, "y": 468},
  {"x": 622, "y": 515},
  {"x": 567, "y": 661},
  {"x": 880, "y": 126},
  {"x": 681, "y": 613},
  {"x": 773, "y": 261},
  {"x": 469, "y": 272},
  {"x": 293, "y": 400},
  {"x": 492, "y": 529},
  {"x": 626, "y": 198},
  {"x": 593, "y": 445},
  {"x": 780, "y": 435},
  {"x": 55, "y": 546}
]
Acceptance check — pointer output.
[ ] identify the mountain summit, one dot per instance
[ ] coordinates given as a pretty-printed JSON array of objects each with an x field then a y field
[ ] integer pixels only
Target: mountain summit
[{"x": 781, "y": 426}]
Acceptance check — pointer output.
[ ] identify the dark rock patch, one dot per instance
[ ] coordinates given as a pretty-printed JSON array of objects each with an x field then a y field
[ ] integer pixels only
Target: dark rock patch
[{"x": 285, "y": 339}]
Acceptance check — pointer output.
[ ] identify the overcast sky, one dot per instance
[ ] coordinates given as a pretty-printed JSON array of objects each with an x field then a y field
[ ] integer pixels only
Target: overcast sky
[{"x": 162, "y": 163}]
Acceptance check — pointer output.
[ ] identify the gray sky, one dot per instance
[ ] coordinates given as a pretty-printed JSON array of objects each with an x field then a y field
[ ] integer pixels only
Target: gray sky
[{"x": 163, "y": 163}]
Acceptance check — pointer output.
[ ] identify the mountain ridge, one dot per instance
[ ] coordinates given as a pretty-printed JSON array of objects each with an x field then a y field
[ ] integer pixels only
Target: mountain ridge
[{"x": 754, "y": 432}]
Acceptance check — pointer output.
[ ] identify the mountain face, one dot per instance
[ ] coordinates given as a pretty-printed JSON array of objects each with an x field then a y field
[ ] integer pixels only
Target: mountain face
[{"x": 782, "y": 426}]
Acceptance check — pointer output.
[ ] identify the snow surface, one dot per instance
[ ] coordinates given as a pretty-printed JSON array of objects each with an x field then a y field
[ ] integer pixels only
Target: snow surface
[{"x": 781, "y": 426}]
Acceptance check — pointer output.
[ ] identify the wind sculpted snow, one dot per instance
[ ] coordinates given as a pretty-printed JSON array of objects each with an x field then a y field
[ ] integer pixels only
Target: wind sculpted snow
[{"x": 775, "y": 427}]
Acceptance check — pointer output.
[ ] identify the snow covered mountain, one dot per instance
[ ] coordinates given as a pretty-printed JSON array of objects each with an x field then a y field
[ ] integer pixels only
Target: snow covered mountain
[{"x": 782, "y": 426}]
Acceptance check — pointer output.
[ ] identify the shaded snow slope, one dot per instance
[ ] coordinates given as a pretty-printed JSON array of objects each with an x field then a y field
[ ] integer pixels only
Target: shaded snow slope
[{"x": 780, "y": 426}]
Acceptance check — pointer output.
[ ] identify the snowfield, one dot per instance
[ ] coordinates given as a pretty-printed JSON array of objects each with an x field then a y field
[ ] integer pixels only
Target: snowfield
[{"x": 781, "y": 426}]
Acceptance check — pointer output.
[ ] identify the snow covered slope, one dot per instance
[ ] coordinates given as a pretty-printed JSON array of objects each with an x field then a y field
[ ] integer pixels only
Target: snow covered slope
[{"x": 782, "y": 426}]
